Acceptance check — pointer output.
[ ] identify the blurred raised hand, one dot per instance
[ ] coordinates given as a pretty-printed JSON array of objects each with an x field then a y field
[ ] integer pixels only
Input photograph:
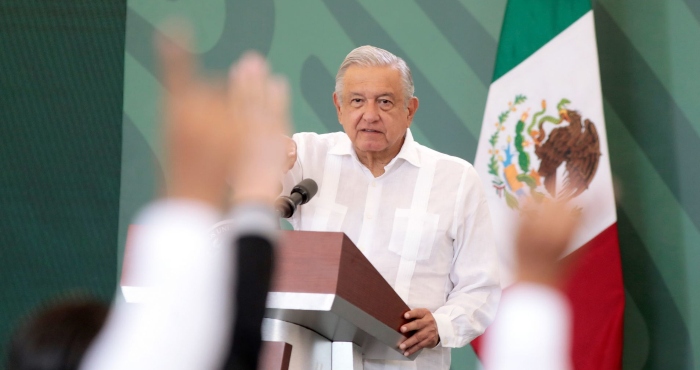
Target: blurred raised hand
[
  {"x": 222, "y": 130},
  {"x": 543, "y": 235},
  {"x": 533, "y": 326},
  {"x": 259, "y": 105}
]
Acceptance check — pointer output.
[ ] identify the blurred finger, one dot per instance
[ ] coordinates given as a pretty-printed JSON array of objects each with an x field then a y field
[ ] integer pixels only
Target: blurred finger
[
  {"x": 278, "y": 103},
  {"x": 554, "y": 223},
  {"x": 545, "y": 233},
  {"x": 177, "y": 63},
  {"x": 249, "y": 82}
]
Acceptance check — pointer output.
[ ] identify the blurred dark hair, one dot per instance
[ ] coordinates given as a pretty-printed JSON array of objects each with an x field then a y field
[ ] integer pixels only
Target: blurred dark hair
[{"x": 56, "y": 337}]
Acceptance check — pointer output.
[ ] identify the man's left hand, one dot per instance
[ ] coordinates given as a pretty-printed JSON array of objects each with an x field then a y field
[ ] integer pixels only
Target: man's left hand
[{"x": 425, "y": 328}]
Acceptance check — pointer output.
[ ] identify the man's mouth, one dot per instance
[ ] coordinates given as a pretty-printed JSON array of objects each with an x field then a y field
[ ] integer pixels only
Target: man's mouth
[{"x": 370, "y": 131}]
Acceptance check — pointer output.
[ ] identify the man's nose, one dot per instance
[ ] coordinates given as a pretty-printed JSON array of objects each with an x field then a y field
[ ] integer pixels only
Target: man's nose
[{"x": 371, "y": 113}]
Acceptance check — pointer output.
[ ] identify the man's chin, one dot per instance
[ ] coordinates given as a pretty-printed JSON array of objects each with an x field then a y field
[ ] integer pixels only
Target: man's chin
[{"x": 370, "y": 148}]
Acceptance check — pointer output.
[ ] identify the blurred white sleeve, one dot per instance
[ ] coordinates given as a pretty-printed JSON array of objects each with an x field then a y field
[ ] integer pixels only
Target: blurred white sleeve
[
  {"x": 185, "y": 320},
  {"x": 532, "y": 331}
]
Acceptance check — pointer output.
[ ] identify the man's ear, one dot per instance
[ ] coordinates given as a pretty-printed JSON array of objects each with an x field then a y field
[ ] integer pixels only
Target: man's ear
[
  {"x": 336, "y": 102},
  {"x": 412, "y": 108}
]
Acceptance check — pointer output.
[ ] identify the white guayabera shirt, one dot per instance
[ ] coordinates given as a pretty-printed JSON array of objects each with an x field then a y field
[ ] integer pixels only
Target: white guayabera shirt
[{"x": 424, "y": 224}]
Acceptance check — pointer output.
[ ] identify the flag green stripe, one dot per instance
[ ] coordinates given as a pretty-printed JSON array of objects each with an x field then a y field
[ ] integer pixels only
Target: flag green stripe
[{"x": 528, "y": 25}]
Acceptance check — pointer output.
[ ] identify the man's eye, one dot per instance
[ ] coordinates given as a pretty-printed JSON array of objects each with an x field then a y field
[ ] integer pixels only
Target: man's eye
[
  {"x": 356, "y": 101},
  {"x": 385, "y": 103}
]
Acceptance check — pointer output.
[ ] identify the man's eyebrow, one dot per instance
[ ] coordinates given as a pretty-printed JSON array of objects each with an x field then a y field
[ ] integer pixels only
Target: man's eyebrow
[
  {"x": 386, "y": 94},
  {"x": 377, "y": 96},
  {"x": 383, "y": 95}
]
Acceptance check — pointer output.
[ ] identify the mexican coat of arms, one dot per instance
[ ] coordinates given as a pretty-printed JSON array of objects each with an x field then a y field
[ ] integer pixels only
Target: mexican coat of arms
[{"x": 524, "y": 162}]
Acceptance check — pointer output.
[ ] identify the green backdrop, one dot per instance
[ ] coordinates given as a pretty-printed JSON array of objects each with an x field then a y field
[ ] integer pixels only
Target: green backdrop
[
  {"x": 61, "y": 84},
  {"x": 650, "y": 66}
]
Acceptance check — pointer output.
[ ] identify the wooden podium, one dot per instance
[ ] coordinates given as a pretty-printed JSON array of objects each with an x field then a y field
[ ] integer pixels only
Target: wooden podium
[{"x": 331, "y": 305}]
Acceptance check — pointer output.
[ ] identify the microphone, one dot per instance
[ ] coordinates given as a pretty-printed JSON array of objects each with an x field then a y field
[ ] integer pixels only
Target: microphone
[{"x": 301, "y": 194}]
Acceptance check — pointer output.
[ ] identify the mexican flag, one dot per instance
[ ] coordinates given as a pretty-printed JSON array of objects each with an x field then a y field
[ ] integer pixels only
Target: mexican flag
[{"x": 543, "y": 137}]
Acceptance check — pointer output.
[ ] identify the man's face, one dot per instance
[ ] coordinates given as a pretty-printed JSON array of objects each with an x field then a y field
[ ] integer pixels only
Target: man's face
[{"x": 372, "y": 110}]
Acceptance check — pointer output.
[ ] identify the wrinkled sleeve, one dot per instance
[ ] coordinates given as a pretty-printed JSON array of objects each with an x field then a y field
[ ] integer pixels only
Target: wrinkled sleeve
[{"x": 473, "y": 288}]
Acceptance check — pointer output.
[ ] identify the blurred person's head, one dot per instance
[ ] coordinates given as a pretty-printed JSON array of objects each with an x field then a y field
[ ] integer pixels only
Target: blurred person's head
[{"x": 57, "y": 336}]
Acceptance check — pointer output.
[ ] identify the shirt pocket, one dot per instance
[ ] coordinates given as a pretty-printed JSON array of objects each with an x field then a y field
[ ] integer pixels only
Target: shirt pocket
[{"x": 413, "y": 234}]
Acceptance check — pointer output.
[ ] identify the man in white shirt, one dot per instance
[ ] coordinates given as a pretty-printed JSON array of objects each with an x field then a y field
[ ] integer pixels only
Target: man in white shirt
[{"x": 419, "y": 216}]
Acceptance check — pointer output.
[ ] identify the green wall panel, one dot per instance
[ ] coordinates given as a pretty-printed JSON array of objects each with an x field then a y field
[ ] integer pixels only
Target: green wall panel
[{"x": 61, "y": 84}]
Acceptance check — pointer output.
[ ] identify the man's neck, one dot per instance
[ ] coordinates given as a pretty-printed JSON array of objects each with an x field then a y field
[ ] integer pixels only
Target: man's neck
[{"x": 376, "y": 161}]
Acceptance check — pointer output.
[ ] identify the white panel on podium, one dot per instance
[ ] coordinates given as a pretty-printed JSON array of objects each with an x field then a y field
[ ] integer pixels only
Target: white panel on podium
[
  {"x": 346, "y": 356},
  {"x": 309, "y": 349}
]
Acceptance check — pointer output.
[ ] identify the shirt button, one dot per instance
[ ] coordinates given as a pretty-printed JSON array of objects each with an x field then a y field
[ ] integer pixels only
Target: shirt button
[
  {"x": 374, "y": 184},
  {"x": 368, "y": 216}
]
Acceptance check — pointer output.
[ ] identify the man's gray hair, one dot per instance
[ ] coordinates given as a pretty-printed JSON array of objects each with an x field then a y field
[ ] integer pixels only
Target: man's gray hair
[{"x": 371, "y": 56}]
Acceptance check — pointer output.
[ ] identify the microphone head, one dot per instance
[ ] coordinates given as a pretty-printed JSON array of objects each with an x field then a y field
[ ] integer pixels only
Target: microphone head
[{"x": 307, "y": 188}]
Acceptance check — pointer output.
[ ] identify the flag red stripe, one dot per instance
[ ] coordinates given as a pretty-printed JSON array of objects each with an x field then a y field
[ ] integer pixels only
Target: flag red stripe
[{"x": 597, "y": 295}]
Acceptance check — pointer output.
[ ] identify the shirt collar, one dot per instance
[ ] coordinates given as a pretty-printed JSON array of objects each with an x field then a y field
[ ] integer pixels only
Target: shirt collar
[{"x": 408, "y": 152}]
